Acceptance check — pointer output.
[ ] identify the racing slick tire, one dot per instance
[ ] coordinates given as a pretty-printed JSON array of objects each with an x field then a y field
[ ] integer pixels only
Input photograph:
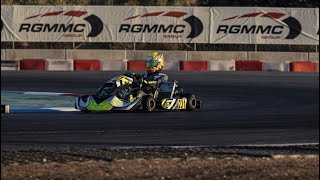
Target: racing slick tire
[
  {"x": 191, "y": 102},
  {"x": 149, "y": 103}
]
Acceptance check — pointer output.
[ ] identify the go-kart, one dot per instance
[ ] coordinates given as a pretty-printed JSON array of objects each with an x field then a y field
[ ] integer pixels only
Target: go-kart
[{"x": 121, "y": 94}]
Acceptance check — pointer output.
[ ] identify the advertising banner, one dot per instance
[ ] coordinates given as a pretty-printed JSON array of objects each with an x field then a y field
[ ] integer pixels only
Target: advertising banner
[
  {"x": 159, "y": 24},
  {"x": 265, "y": 26},
  {"x": 104, "y": 24}
]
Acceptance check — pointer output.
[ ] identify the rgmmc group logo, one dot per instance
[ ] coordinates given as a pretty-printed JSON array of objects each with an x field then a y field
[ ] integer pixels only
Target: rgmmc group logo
[
  {"x": 168, "y": 30},
  {"x": 31, "y": 24},
  {"x": 266, "y": 31}
]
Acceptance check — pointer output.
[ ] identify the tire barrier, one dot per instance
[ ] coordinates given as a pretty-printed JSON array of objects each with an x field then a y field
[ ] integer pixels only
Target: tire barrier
[
  {"x": 171, "y": 66},
  {"x": 275, "y": 66},
  {"x": 86, "y": 65},
  {"x": 9, "y": 65},
  {"x": 136, "y": 65},
  {"x": 113, "y": 65},
  {"x": 249, "y": 65},
  {"x": 139, "y": 65},
  {"x": 33, "y": 64},
  {"x": 194, "y": 65},
  {"x": 304, "y": 66},
  {"x": 171, "y": 55},
  {"x": 59, "y": 65},
  {"x": 221, "y": 65}
]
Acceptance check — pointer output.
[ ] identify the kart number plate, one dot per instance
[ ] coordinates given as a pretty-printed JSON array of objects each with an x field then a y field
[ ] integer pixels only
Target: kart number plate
[{"x": 182, "y": 103}]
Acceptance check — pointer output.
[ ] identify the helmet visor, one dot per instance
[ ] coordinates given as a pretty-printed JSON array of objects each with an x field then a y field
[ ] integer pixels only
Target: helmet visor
[{"x": 151, "y": 63}]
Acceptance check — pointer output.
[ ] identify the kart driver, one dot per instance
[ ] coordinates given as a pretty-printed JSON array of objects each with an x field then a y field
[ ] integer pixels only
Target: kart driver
[{"x": 153, "y": 77}]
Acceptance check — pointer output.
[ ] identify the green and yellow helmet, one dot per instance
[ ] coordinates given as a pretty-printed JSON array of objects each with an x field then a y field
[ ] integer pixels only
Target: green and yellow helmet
[{"x": 155, "y": 62}]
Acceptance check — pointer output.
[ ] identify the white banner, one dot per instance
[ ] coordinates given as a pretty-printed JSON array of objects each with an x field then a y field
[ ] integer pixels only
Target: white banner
[
  {"x": 265, "y": 26},
  {"x": 159, "y": 24},
  {"x": 104, "y": 24}
]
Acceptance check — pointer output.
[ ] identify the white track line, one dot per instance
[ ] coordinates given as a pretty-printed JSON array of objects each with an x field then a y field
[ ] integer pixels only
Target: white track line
[
  {"x": 277, "y": 145},
  {"x": 51, "y": 132},
  {"x": 44, "y": 110},
  {"x": 63, "y": 109},
  {"x": 223, "y": 146}
]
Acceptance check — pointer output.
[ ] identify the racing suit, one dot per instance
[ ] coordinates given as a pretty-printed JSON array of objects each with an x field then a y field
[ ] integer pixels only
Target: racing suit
[{"x": 150, "y": 82}]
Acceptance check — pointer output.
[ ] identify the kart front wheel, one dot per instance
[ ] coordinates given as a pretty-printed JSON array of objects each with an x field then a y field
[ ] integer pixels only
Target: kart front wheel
[
  {"x": 149, "y": 104},
  {"x": 191, "y": 102}
]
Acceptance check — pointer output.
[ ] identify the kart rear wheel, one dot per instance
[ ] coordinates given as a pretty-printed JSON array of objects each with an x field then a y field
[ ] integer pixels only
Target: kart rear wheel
[
  {"x": 149, "y": 103},
  {"x": 191, "y": 102}
]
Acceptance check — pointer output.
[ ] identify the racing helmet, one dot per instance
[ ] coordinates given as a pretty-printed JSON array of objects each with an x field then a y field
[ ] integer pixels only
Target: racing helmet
[{"x": 155, "y": 62}]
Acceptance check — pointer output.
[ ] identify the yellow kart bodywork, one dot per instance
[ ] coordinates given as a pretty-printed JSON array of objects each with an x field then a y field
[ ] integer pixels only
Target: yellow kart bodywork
[{"x": 103, "y": 106}]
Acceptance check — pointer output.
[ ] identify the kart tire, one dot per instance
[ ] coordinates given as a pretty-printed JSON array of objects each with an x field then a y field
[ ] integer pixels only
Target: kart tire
[
  {"x": 191, "y": 102},
  {"x": 149, "y": 103}
]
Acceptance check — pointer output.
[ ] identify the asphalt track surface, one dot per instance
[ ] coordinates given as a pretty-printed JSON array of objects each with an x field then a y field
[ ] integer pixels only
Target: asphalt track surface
[{"x": 238, "y": 108}]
